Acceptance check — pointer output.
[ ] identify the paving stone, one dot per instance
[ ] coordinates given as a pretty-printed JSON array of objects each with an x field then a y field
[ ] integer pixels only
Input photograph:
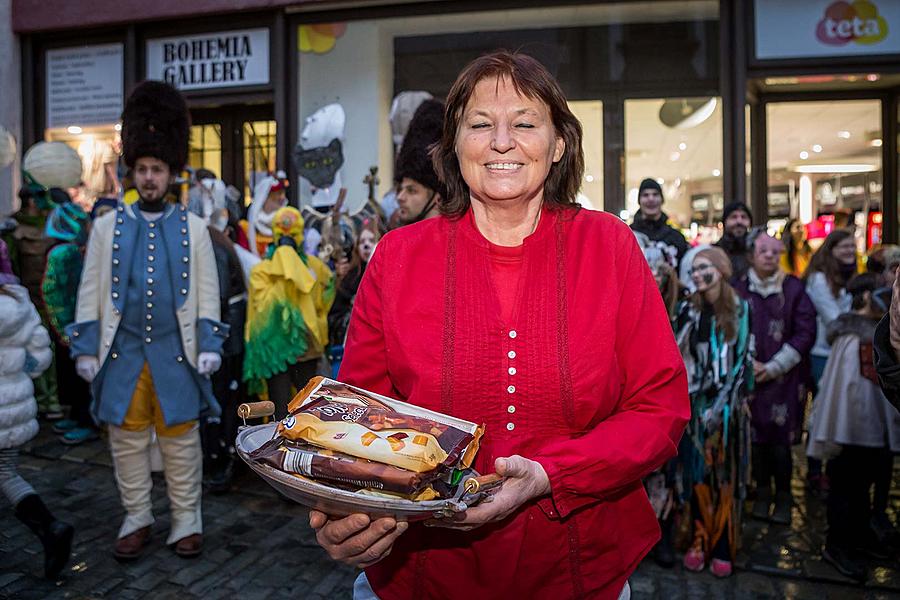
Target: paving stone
[{"x": 197, "y": 570}]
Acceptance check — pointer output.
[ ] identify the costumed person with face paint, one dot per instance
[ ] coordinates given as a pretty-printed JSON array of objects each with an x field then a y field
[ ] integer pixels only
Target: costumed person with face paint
[
  {"x": 147, "y": 333},
  {"x": 287, "y": 328},
  {"x": 736, "y": 222},
  {"x": 854, "y": 427},
  {"x": 419, "y": 190},
  {"x": 67, "y": 225},
  {"x": 713, "y": 332},
  {"x": 268, "y": 197},
  {"x": 345, "y": 290},
  {"x": 784, "y": 329},
  {"x": 654, "y": 223},
  {"x": 661, "y": 484}
]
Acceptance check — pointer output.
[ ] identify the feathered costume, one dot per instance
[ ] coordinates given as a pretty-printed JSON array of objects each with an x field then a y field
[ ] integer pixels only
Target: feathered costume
[{"x": 290, "y": 295}]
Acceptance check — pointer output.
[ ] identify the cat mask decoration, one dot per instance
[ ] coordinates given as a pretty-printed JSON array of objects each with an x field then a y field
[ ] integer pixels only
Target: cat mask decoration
[{"x": 318, "y": 157}]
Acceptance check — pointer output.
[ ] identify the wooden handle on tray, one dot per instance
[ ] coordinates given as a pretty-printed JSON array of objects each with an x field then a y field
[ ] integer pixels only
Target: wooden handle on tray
[
  {"x": 255, "y": 410},
  {"x": 473, "y": 484}
]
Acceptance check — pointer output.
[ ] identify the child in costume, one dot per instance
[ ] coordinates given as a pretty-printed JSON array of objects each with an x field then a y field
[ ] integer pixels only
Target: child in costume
[
  {"x": 713, "y": 331},
  {"x": 855, "y": 428},
  {"x": 147, "y": 333},
  {"x": 24, "y": 352},
  {"x": 287, "y": 328}
]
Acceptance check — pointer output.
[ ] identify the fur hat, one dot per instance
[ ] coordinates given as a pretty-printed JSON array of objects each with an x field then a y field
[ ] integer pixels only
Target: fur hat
[
  {"x": 414, "y": 159},
  {"x": 156, "y": 123}
]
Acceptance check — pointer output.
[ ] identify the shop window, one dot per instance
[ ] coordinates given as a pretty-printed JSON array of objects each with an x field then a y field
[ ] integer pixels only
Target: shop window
[
  {"x": 259, "y": 154},
  {"x": 205, "y": 150},
  {"x": 678, "y": 142},
  {"x": 99, "y": 147},
  {"x": 824, "y": 166},
  {"x": 590, "y": 113}
]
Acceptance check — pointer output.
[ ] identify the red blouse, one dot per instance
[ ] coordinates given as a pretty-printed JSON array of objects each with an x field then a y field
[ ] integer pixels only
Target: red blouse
[{"x": 586, "y": 379}]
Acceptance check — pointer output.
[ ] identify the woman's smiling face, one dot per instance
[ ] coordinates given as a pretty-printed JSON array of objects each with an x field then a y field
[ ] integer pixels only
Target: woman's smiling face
[{"x": 506, "y": 143}]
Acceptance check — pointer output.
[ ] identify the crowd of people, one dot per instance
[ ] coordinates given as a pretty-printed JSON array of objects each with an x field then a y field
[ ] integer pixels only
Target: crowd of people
[
  {"x": 153, "y": 316},
  {"x": 778, "y": 340}
]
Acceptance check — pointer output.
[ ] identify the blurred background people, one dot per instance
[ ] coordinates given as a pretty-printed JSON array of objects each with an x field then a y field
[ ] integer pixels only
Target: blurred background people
[
  {"x": 654, "y": 223},
  {"x": 784, "y": 330},
  {"x": 736, "y": 222},
  {"x": 797, "y": 251}
]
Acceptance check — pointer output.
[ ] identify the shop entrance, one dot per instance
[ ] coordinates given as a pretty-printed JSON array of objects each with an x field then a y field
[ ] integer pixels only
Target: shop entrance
[
  {"x": 824, "y": 154},
  {"x": 237, "y": 143}
]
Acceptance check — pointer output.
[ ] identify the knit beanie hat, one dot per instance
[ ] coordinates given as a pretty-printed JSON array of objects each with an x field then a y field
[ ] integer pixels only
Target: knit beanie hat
[
  {"x": 650, "y": 184},
  {"x": 719, "y": 260},
  {"x": 733, "y": 206}
]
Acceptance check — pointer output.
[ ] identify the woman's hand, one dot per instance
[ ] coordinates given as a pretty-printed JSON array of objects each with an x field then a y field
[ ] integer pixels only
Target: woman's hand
[
  {"x": 356, "y": 540},
  {"x": 524, "y": 479},
  {"x": 759, "y": 372}
]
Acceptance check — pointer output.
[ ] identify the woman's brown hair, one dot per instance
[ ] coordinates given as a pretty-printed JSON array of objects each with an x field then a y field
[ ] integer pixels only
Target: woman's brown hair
[
  {"x": 725, "y": 307},
  {"x": 532, "y": 80},
  {"x": 823, "y": 261}
]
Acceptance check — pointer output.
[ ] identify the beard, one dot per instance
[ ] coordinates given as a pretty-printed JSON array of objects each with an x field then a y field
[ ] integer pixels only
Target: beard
[{"x": 152, "y": 195}]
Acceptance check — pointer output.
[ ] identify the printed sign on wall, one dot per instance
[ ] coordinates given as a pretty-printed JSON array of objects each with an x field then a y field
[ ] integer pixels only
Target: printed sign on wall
[
  {"x": 84, "y": 85},
  {"x": 810, "y": 28},
  {"x": 211, "y": 60}
]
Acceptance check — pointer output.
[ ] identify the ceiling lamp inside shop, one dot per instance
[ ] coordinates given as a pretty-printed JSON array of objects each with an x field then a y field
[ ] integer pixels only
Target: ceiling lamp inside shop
[
  {"x": 836, "y": 168},
  {"x": 684, "y": 113}
]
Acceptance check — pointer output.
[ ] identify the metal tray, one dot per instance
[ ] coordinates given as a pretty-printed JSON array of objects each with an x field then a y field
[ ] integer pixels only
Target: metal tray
[{"x": 334, "y": 501}]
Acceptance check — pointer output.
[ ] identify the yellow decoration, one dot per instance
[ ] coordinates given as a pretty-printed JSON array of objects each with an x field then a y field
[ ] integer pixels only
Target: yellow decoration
[{"x": 320, "y": 38}]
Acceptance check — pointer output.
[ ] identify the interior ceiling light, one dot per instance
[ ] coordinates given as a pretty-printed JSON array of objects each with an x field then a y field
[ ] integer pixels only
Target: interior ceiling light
[
  {"x": 684, "y": 113},
  {"x": 804, "y": 155},
  {"x": 716, "y": 172},
  {"x": 682, "y": 146},
  {"x": 74, "y": 129},
  {"x": 817, "y": 148},
  {"x": 873, "y": 77},
  {"x": 836, "y": 168},
  {"x": 876, "y": 143},
  {"x": 674, "y": 156},
  {"x": 844, "y": 134}
]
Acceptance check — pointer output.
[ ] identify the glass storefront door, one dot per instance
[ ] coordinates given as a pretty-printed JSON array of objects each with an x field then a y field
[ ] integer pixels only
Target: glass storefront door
[
  {"x": 236, "y": 143},
  {"x": 824, "y": 167}
]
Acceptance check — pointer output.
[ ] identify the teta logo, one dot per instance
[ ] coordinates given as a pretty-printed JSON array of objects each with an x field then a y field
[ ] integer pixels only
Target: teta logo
[{"x": 846, "y": 22}]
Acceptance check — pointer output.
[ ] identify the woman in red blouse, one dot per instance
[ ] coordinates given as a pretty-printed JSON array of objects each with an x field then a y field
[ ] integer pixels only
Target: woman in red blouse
[{"x": 517, "y": 309}]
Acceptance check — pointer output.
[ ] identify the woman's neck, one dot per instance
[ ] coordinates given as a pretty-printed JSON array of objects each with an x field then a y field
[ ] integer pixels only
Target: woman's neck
[{"x": 507, "y": 224}]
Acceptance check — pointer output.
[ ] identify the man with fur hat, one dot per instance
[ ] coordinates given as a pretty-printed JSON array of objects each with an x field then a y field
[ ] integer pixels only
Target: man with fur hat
[
  {"x": 736, "y": 223},
  {"x": 147, "y": 333},
  {"x": 653, "y": 222},
  {"x": 419, "y": 191}
]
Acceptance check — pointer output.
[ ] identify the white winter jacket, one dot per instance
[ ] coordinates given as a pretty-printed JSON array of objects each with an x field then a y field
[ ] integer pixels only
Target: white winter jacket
[
  {"x": 24, "y": 353},
  {"x": 828, "y": 308}
]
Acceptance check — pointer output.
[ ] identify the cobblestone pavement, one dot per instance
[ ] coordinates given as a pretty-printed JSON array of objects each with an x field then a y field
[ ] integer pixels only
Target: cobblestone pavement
[{"x": 259, "y": 546}]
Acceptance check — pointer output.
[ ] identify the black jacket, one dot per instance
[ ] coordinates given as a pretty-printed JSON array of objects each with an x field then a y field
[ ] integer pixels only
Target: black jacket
[
  {"x": 663, "y": 234},
  {"x": 886, "y": 361},
  {"x": 736, "y": 249}
]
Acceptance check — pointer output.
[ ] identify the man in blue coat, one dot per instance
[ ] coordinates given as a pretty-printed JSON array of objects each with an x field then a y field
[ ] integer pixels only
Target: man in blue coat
[{"x": 147, "y": 333}]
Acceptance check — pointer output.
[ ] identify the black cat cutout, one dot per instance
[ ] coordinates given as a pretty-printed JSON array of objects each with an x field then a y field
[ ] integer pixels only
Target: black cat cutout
[{"x": 319, "y": 165}]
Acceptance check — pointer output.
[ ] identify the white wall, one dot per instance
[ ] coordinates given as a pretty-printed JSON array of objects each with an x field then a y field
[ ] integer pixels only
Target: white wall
[
  {"x": 357, "y": 74},
  {"x": 10, "y": 105}
]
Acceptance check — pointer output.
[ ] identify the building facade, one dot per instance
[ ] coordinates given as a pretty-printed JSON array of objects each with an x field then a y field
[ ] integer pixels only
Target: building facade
[{"x": 790, "y": 105}]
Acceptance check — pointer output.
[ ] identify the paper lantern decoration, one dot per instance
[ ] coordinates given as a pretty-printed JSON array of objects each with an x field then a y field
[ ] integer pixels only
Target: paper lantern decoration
[
  {"x": 53, "y": 164},
  {"x": 320, "y": 38}
]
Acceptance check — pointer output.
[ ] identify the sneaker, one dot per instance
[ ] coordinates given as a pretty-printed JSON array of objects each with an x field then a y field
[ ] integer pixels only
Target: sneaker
[
  {"x": 79, "y": 435},
  {"x": 694, "y": 560},
  {"x": 720, "y": 568},
  {"x": 64, "y": 425},
  {"x": 846, "y": 564}
]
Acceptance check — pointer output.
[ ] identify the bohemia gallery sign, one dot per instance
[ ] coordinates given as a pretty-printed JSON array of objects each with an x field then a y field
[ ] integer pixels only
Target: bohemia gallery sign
[
  {"x": 813, "y": 28},
  {"x": 211, "y": 60}
]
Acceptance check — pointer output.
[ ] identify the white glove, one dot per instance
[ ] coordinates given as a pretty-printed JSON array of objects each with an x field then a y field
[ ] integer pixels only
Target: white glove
[
  {"x": 87, "y": 367},
  {"x": 208, "y": 363}
]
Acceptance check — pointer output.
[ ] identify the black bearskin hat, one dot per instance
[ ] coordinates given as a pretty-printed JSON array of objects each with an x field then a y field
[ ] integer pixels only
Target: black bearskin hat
[
  {"x": 414, "y": 160},
  {"x": 156, "y": 123}
]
